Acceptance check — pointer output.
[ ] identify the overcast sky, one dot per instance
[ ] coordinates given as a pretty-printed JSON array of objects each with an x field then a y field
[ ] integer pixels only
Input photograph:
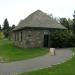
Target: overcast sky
[{"x": 15, "y": 10}]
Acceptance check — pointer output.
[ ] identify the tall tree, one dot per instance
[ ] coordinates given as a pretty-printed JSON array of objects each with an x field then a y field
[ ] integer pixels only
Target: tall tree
[
  {"x": 64, "y": 22},
  {"x": 70, "y": 21},
  {"x": 6, "y": 25},
  {"x": 73, "y": 23},
  {"x": 0, "y": 27},
  {"x": 6, "y": 28}
]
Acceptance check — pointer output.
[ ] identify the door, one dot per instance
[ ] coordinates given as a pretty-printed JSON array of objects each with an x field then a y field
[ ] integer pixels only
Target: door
[{"x": 46, "y": 37}]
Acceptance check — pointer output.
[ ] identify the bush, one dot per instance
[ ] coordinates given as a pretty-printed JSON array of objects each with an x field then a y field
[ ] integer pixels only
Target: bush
[
  {"x": 1, "y": 35},
  {"x": 62, "y": 39}
]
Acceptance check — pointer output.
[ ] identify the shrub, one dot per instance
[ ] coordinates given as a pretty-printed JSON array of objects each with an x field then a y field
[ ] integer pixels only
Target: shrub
[
  {"x": 62, "y": 39},
  {"x": 1, "y": 35}
]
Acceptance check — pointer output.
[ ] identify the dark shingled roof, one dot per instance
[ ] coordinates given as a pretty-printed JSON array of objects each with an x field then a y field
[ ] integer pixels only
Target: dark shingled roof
[{"x": 39, "y": 19}]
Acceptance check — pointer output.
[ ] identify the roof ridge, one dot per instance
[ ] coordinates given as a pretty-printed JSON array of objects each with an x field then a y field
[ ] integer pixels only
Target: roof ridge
[{"x": 39, "y": 19}]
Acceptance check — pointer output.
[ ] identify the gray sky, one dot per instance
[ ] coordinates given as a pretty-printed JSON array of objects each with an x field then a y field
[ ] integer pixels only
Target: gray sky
[{"x": 15, "y": 10}]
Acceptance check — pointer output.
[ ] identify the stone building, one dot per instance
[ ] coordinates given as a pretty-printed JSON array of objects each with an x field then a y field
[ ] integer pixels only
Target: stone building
[{"x": 34, "y": 31}]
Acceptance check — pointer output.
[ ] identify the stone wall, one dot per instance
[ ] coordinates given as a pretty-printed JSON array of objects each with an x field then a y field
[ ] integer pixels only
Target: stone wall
[{"x": 30, "y": 38}]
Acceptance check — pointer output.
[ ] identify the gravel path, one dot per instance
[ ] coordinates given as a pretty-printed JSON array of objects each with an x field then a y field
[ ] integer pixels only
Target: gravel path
[{"x": 35, "y": 63}]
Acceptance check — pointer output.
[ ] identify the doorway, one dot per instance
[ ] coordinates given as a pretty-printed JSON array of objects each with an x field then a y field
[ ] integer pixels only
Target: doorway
[{"x": 46, "y": 39}]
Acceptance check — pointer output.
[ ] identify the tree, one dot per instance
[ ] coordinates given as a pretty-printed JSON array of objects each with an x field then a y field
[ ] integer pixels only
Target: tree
[
  {"x": 0, "y": 27},
  {"x": 6, "y": 28},
  {"x": 1, "y": 35},
  {"x": 13, "y": 26},
  {"x": 70, "y": 21},
  {"x": 65, "y": 22},
  {"x": 74, "y": 23},
  {"x": 6, "y": 25},
  {"x": 63, "y": 38}
]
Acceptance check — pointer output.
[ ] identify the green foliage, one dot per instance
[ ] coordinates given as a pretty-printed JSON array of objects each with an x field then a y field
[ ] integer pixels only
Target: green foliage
[
  {"x": 64, "y": 22},
  {"x": 1, "y": 35},
  {"x": 63, "y": 38},
  {"x": 13, "y": 26},
  {"x": 6, "y": 28},
  {"x": 6, "y": 25},
  {"x": 73, "y": 28},
  {"x": 0, "y": 27}
]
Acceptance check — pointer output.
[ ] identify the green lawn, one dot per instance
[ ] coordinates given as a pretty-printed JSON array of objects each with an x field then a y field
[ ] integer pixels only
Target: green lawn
[
  {"x": 8, "y": 52},
  {"x": 67, "y": 68}
]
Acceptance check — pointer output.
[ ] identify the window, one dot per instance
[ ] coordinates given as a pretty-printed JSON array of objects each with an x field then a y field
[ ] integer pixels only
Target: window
[{"x": 21, "y": 36}]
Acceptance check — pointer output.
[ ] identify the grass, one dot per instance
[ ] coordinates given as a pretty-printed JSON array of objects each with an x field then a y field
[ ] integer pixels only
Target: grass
[
  {"x": 67, "y": 68},
  {"x": 10, "y": 53}
]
